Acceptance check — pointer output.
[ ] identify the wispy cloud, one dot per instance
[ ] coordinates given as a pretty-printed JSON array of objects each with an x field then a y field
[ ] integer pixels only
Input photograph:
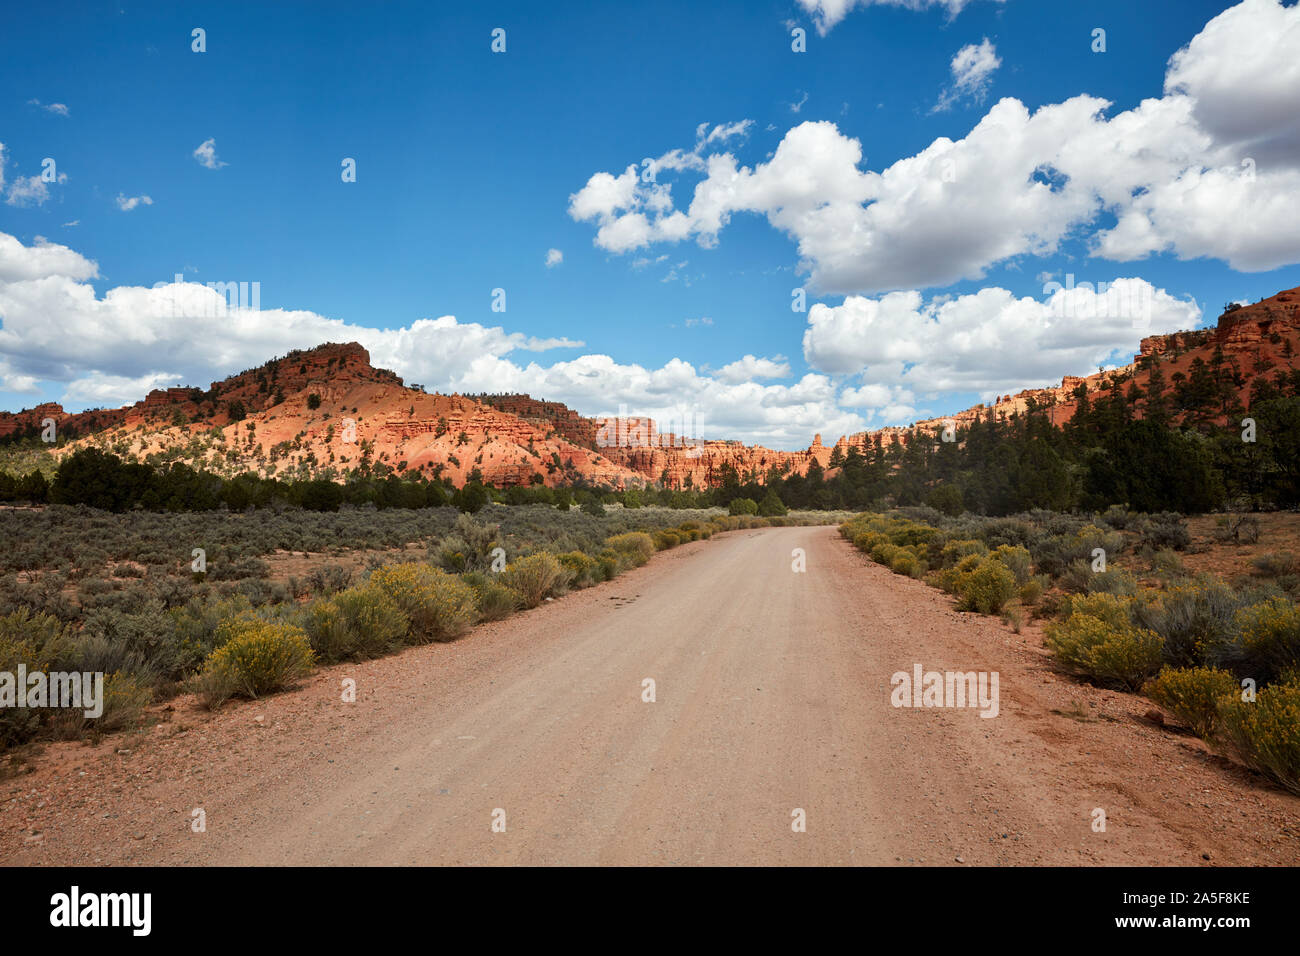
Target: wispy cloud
[
  {"x": 206, "y": 154},
  {"x": 827, "y": 13},
  {"x": 58, "y": 109},
  {"x": 28, "y": 191},
  {"x": 127, "y": 203},
  {"x": 972, "y": 72},
  {"x": 553, "y": 258}
]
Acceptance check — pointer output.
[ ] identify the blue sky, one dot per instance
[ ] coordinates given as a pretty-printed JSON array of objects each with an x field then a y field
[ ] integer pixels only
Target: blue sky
[{"x": 467, "y": 162}]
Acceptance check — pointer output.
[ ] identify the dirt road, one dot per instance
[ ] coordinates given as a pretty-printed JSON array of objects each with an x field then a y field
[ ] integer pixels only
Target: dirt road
[{"x": 772, "y": 693}]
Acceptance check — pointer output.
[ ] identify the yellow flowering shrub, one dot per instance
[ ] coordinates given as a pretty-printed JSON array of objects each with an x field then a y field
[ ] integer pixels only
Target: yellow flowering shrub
[
  {"x": 1270, "y": 638},
  {"x": 639, "y": 546},
  {"x": 259, "y": 658},
  {"x": 987, "y": 587},
  {"x": 1107, "y": 651},
  {"x": 1265, "y": 733},
  {"x": 904, "y": 562},
  {"x": 584, "y": 570},
  {"x": 1192, "y": 695},
  {"x": 356, "y": 624},
  {"x": 535, "y": 577},
  {"x": 440, "y": 606}
]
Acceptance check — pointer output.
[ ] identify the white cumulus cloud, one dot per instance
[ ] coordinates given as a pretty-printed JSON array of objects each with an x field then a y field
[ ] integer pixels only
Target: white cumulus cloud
[
  {"x": 988, "y": 342},
  {"x": 1183, "y": 173},
  {"x": 112, "y": 348}
]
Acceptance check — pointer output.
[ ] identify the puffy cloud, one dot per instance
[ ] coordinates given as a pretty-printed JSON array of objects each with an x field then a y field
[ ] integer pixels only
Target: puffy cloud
[
  {"x": 553, "y": 258},
  {"x": 206, "y": 154},
  {"x": 604, "y": 195},
  {"x": 127, "y": 203},
  {"x": 827, "y": 13},
  {"x": 633, "y": 208},
  {"x": 18, "y": 383},
  {"x": 1242, "y": 73},
  {"x": 113, "y": 348},
  {"x": 886, "y": 404},
  {"x": 42, "y": 260},
  {"x": 972, "y": 71},
  {"x": 987, "y": 342},
  {"x": 1020, "y": 182},
  {"x": 748, "y": 368},
  {"x": 98, "y": 390},
  {"x": 679, "y": 398}
]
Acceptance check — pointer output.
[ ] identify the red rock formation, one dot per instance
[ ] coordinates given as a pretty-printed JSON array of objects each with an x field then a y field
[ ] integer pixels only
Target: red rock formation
[
  {"x": 514, "y": 439},
  {"x": 1246, "y": 336}
]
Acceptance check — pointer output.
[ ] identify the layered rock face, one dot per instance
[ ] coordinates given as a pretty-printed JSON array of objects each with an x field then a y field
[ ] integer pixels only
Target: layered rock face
[{"x": 685, "y": 462}]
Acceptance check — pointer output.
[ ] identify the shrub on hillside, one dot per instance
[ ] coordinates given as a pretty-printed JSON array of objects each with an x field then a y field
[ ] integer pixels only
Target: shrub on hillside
[
  {"x": 663, "y": 540},
  {"x": 1117, "y": 517},
  {"x": 608, "y": 560},
  {"x": 440, "y": 607},
  {"x": 742, "y": 506},
  {"x": 1031, "y": 591},
  {"x": 1112, "y": 581},
  {"x": 1105, "y": 651},
  {"x": 259, "y": 658},
  {"x": 637, "y": 546},
  {"x": 1115, "y": 610},
  {"x": 494, "y": 600},
  {"x": 1056, "y": 553},
  {"x": 1017, "y": 561},
  {"x": 1192, "y": 695},
  {"x": 954, "y": 551},
  {"x": 145, "y": 643},
  {"x": 1167, "y": 563},
  {"x": 356, "y": 624},
  {"x": 535, "y": 578},
  {"x": 904, "y": 562},
  {"x": 124, "y": 702},
  {"x": 1269, "y": 639},
  {"x": 1196, "y": 619},
  {"x": 584, "y": 570},
  {"x": 1265, "y": 734},
  {"x": 329, "y": 578},
  {"x": 28, "y": 648},
  {"x": 949, "y": 578},
  {"x": 1236, "y": 528},
  {"x": 865, "y": 540},
  {"x": 986, "y": 588},
  {"x": 468, "y": 547},
  {"x": 1275, "y": 565},
  {"x": 1164, "y": 530}
]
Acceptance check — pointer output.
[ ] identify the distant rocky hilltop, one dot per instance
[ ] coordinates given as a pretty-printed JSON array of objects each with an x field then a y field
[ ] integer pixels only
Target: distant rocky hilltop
[{"x": 328, "y": 410}]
